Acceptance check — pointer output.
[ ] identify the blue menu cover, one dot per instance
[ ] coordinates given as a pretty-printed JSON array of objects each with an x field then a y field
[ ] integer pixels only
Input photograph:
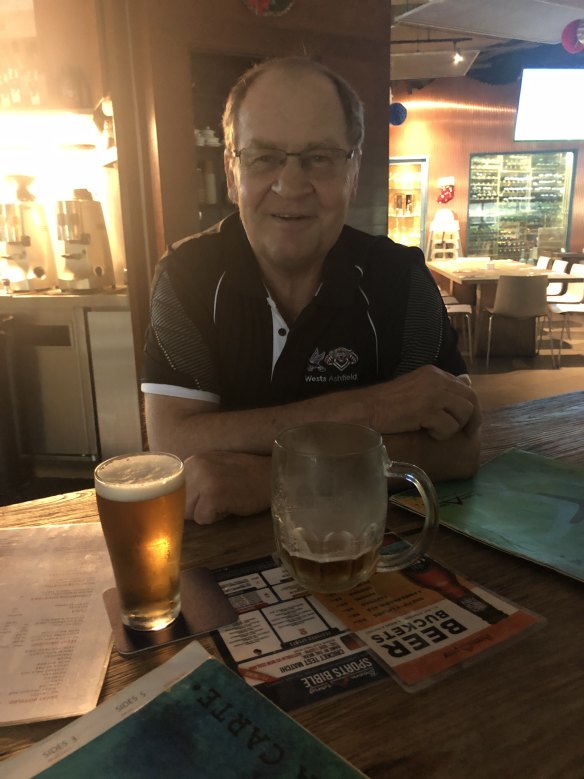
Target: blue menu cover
[
  {"x": 522, "y": 503},
  {"x": 207, "y": 724}
]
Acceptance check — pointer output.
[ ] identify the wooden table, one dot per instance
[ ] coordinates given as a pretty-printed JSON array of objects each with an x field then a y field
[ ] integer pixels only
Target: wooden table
[
  {"x": 478, "y": 272},
  {"x": 518, "y": 713}
]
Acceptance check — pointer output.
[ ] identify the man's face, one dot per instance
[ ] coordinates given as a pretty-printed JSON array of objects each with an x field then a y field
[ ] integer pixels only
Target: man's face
[{"x": 292, "y": 218}]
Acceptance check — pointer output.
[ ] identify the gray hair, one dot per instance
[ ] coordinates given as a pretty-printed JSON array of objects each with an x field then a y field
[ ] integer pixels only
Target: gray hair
[{"x": 350, "y": 101}]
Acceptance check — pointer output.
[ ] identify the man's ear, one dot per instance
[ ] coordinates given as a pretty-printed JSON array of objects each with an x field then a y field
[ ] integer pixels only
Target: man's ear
[{"x": 230, "y": 177}]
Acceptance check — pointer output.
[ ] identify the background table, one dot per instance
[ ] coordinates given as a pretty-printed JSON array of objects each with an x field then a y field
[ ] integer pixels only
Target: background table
[
  {"x": 474, "y": 281},
  {"x": 518, "y": 713},
  {"x": 476, "y": 271}
]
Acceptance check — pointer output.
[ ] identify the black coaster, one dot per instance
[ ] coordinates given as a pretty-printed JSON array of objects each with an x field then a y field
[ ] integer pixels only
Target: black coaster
[{"x": 204, "y": 608}]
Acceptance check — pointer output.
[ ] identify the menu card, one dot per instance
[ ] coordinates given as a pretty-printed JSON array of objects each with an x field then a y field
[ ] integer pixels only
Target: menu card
[
  {"x": 191, "y": 716},
  {"x": 521, "y": 503},
  {"x": 55, "y": 636},
  {"x": 416, "y": 626}
]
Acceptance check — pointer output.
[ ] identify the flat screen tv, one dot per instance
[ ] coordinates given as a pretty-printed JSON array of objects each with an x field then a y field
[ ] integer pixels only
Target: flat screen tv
[{"x": 551, "y": 106}]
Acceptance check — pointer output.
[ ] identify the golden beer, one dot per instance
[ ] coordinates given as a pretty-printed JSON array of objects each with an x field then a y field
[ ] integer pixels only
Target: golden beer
[
  {"x": 141, "y": 503},
  {"x": 329, "y": 574}
]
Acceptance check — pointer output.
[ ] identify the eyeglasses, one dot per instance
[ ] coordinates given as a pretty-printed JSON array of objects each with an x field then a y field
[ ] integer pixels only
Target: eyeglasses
[{"x": 316, "y": 163}]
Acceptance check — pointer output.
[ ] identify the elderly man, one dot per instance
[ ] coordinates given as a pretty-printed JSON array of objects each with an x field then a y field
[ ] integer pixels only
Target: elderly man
[{"x": 282, "y": 314}]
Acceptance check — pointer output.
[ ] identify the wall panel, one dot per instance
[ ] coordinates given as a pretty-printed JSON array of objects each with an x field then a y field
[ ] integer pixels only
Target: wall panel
[
  {"x": 353, "y": 42},
  {"x": 147, "y": 47}
]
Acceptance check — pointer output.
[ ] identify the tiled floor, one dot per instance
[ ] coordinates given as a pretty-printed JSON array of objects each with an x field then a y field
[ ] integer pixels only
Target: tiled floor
[{"x": 509, "y": 380}]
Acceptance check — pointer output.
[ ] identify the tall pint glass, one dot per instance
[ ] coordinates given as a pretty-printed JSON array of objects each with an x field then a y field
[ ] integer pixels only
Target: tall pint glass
[{"x": 141, "y": 503}]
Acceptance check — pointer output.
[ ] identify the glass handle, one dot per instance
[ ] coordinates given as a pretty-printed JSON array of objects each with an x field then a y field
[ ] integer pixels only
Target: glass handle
[{"x": 421, "y": 481}]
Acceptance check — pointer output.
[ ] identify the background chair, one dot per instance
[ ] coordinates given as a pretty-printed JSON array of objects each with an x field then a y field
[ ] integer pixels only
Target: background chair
[
  {"x": 521, "y": 297},
  {"x": 574, "y": 292},
  {"x": 542, "y": 262},
  {"x": 573, "y": 305},
  {"x": 556, "y": 287},
  {"x": 565, "y": 309},
  {"x": 573, "y": 295},
  {"x": 457, "y": 310},
  {"x": 447, "y": 298}
]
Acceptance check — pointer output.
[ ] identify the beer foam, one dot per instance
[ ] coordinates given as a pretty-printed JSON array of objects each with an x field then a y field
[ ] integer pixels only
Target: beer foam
[{"x": 140, "y": 476}]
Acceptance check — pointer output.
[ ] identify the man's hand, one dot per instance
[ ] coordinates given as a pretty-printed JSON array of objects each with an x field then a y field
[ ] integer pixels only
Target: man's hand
[
  {"x": 222, "y": 483},
  {"x": 426, "y": 399}
]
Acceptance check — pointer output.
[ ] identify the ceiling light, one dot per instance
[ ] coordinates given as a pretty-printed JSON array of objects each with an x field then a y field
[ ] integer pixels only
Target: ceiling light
[
  {"x": 457, "y": 57},
  {"x": 431, "y": 64}
]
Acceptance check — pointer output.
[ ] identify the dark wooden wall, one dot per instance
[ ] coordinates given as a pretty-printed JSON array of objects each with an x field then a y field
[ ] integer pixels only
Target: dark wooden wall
[
  {"x": 351, "y": 38},
  {"x": 146, "y": 54}
]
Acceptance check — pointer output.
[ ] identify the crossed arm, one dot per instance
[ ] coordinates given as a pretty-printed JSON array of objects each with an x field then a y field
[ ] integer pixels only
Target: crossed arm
[{"x": 427, "y": 417}]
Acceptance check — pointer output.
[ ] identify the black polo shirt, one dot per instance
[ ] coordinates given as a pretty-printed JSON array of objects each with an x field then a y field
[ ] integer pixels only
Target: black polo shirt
[{"x": 216, "y": 335}]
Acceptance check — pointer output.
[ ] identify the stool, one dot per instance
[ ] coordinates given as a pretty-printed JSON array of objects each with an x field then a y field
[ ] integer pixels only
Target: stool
[{"x": 462, "y": 310}]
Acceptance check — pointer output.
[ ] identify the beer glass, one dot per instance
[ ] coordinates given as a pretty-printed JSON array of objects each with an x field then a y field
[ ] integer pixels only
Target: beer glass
[
  {"x": 141, "y": 504},
  {"x": 329, "y": 505}
]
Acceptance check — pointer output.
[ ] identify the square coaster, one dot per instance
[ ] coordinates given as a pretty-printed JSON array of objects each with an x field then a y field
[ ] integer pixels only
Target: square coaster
[{"x": 204, "y": 608}]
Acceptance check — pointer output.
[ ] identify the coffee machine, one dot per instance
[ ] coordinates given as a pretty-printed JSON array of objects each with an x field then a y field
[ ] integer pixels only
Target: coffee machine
[
  {"x": 26, "y": 251},
  {"x": 86, "y": 262}
]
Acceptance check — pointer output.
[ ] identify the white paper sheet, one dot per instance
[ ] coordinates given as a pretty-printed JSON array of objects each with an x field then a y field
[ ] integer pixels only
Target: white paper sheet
[{"x": 55, "y": 636}]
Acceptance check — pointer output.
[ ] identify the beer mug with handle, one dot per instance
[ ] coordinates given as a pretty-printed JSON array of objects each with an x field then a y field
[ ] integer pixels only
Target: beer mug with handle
[{"x": 329, "y": 505}]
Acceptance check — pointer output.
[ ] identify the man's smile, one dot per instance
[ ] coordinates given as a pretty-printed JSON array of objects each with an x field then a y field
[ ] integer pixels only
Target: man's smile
[{"x": 291, "y": 217}]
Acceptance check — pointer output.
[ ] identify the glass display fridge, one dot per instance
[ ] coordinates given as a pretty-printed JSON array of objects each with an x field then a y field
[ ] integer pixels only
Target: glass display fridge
[
  {"x": 519, "y": 204},
  {"x": 406, "y": 215}
]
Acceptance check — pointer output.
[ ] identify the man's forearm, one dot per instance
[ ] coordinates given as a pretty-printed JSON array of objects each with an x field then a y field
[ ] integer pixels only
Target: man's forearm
[
  {"x": 426, "y": 399},
  {"x": 172, "y": 425},
  {"x": 456, "y": 457},
  {"x": 427, "y": 417},
  {"x": 221, "y": 483}
]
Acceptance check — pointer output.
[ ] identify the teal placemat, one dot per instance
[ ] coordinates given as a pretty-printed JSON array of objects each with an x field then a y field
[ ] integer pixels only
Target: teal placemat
[{"x": 521, "y": 503}]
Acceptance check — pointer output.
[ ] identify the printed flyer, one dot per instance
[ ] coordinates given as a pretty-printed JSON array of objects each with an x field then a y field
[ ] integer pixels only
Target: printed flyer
[
  {"x": 414, "y": 625},
  {"x": 286, "y": 641}
]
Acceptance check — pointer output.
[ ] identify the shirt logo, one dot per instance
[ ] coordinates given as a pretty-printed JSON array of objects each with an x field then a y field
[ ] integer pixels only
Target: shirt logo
[
  {"x": 314, "y": 361},
  {"x": 341, "y": 358}
]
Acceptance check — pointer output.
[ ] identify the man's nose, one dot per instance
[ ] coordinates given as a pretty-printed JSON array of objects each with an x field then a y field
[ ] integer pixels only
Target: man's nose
[{"x": 291, "y": 179}]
